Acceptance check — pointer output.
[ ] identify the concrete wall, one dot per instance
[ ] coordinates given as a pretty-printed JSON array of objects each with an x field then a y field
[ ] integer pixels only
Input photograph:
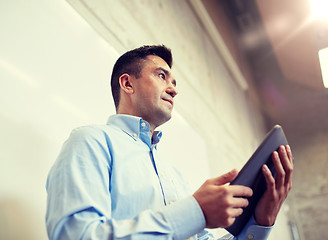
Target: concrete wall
[
  {"x": 307, "y": 128},
  {"x": 209, "y": 96}
]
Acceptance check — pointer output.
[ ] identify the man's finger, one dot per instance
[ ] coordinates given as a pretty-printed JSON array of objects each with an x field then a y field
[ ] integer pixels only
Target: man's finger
[
  {"x": 285, "y": 156},
  {"x": 226, "y": 178},
  {"x": 240, "y": 191},
  {"x": 290, "y": 155},
  {"x": 268, "y": 177},
  {"x": 239, "y": 202},
  {"x": 280, "y": 172},
  {"x": 235, "y": 212}
]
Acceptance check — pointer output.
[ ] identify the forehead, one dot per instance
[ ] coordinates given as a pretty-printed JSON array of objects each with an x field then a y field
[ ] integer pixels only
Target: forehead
[{"x": 153, "y": 61}]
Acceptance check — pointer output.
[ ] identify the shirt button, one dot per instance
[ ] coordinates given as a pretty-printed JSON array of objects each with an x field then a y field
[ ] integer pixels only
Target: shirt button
[
  {"x": 171, "y": 202},
  {"x": 135, "y": 135},
  {"x": 250, "y": 236},
  {"x": 143, "y": 124}
]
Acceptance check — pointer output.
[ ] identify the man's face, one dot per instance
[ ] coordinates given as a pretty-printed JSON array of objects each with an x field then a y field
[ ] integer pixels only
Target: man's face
[{"x": 154, "y": 92}]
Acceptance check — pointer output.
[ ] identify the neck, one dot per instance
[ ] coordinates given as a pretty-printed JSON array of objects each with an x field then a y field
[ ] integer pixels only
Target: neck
[{"x": 122, "y": 111}]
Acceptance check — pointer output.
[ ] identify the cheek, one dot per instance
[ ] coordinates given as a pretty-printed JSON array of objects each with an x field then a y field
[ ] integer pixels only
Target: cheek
[
  {"x": 154, "y": 92},
  {"x": 149, "y": 97},
  {"x": 151, "y": 91}
]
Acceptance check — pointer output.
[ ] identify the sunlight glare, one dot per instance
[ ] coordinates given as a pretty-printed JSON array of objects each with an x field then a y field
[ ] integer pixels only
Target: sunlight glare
[{"x": 319, "y": 8}]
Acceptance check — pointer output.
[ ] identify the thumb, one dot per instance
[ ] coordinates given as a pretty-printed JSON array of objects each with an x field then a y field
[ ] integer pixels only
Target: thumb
[{"x": 226, "y": 178}]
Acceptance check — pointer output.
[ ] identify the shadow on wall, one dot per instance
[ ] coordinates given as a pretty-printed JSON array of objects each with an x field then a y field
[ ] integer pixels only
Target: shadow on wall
[{"x": 16, "y": 220}]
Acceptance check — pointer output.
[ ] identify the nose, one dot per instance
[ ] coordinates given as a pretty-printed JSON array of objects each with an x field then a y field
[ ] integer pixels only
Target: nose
[{"x": 171, "y": 90}]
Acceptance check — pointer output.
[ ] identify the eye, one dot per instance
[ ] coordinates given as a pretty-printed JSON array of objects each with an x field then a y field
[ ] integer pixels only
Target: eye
[{"x": 161, "y": 75}]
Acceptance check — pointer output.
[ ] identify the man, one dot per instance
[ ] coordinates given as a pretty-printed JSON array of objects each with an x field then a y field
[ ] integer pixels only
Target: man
[{"x": 110, "y": 183}]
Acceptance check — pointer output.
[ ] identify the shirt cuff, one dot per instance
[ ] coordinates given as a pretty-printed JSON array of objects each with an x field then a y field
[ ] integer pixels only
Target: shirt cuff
[
  {"x": 254, "y": 231},
  {"x": 186, "y": 218}
]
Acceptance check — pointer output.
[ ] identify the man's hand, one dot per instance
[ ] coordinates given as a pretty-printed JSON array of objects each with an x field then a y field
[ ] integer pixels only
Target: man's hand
[
  {"x": 277, "y": 189},
  {"x": 220, "y": 203}
]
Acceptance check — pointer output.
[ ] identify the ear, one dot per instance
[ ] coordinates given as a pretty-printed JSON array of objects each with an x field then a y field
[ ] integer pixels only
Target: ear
[{"x": 126, "y": 83}]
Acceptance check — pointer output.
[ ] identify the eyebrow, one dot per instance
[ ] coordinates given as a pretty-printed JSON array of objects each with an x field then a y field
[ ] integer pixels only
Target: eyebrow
[{"x": 174, "y": 82}]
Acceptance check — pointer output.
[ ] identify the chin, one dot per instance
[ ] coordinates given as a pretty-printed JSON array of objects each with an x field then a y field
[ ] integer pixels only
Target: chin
[{"x": 165, "y": 117}]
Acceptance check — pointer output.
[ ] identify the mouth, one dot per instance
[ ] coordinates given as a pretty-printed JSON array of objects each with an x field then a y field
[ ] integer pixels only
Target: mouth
[{"x": 168, "y": 100}]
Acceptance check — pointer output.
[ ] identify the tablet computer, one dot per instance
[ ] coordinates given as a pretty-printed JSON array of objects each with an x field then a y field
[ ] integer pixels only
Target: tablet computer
[{"x": 251, "y": 175}]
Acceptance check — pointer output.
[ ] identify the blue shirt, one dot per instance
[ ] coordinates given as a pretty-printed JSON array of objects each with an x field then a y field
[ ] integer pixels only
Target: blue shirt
[{"x": 110, "y": 183}]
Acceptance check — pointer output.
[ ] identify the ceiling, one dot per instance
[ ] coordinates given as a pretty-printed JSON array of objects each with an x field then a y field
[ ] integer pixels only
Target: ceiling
[
  {"x": 284, "y": 29},
  {"x": 295, "y": 39},
  {"x": 279, "y": 42}
]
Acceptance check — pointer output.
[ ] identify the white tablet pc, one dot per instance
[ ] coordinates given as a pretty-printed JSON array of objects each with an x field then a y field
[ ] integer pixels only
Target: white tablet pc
[{"x": 251, "y": 174}]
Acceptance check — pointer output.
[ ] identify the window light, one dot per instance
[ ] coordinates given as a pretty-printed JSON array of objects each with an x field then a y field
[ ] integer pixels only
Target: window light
[{"x": 323, "y": 58}]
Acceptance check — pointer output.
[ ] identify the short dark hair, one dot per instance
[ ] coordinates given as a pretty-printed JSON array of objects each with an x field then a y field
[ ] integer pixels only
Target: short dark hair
[{"x": 131, "y": 63}]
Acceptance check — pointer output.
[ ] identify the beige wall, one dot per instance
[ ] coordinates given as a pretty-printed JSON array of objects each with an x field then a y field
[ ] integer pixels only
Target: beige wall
[{"x": 54, "y": 72}]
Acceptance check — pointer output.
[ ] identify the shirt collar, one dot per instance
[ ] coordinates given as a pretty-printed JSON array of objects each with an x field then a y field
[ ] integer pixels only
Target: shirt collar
[{"x": 136, "y": 127}]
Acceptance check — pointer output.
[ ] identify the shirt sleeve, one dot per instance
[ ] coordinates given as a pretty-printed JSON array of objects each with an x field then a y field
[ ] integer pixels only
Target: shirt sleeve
[
  {"x": 79, "y": 199},
  {"x": 251, "y": 231},
  {"x": 254, "y": 231}
]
